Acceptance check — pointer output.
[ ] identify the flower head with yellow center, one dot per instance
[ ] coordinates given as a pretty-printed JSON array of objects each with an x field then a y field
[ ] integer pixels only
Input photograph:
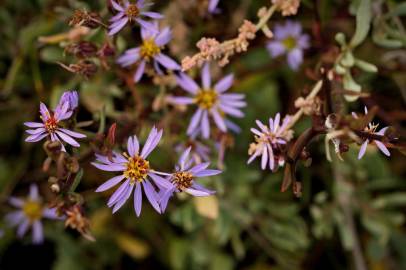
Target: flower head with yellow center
[{"x": 149, "y": 49}]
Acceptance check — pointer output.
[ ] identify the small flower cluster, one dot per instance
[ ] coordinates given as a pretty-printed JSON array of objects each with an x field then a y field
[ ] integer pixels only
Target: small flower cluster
[{"x": 137, "y": 174}]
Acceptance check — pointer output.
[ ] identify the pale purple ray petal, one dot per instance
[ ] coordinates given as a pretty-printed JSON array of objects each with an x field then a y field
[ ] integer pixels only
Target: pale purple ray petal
[
  {"x": 183, "y": 158},
  {"x": 161, "y": 182},
  {"x": 34, "y": 124},
  {"x": 14, "y": 218},
  {"x": 199, "y": 167},
  {"x": 37, "y": 232},
  {"x": 123, "y": 198},
  {"x": 72, "y": 133},
  {"x": 382, "y": 147},
  {"x": 151, "y": 194},
  {"x": 36, "y": 137},
  {"x": 363, "y": 149},
  {"x": 109, "y": 167},
  {"x": 187, "y": 83},
  {"x": 206, "y": 77},
  {"x": 194, "y": 122},
  {"x": 163, "y": 37},
  {"x": 233, "y": 103},
  {"x": 261, "y": 126},
  {"x": 130, "y": 146},
  {"x": 117, "y": 17},
  {"x": 153, "y": 15},
  {"x": 153, "y": 144},
  {"x": 44, "y": 111},
  {"x": 140, "y": 71},
  {"x": 281, "y": 32},
  {"x": 117, "y": 26},
  {"x": 67, "y": 139},
  {"x": 35, "y": 131},
  {"x": 110, "y": 183},
  {"x": 50, "y": 213},
  {"x": 295, "y": 28},
  {"x": 34, "y": 194},
  {"x": 129, "y": 58},
  {"x": 147, "y": 25},
  {"x": 136, "y": 145},
  {"x": 118, "y": 193},
  {"x": 116, "y": 6},
  {"x": 231, "y": 111},
  {"x": 23, "y": 227},
  {"x": 149, "y": 144},
  {"x": 295, "y": 58},
  {"x": 206, "y": 172},
  {"x": 264, "y": 159},
  {"x": 271, "y": 157},
  {"x": 218, "y": 120},
  {"x": 303, "y": 42},
  {"x": 213, "y": 5},
  {"x": 167, "y": 61},
  {"x": 205, "y": 124},
  {"x": 234, "y": 96},
  {"x": 276, "y": 122},
  {"x": 382, "y": 131},
  {"x": 275, "y": 48},
  {"x": 197, "y": 186},
  {"x": 137, "y": 199},
  {"x": 224, "y": 84},
  {"x": 182, "y": 100},
  {"x": 16, "y": 202},
  {"x": 164, "y": 198},
  {"x": 197, "y": 193},
  {"x": 254, "y": 156}
]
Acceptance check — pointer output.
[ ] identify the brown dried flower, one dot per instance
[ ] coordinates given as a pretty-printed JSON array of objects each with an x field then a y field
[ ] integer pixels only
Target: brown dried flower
[{"x": 287, "y": 7}]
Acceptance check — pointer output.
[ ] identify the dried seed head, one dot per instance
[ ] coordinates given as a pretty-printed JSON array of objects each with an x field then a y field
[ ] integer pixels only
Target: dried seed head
[
  {"x": 85, "y": 18},
  {"x": 82, "y": 49}
]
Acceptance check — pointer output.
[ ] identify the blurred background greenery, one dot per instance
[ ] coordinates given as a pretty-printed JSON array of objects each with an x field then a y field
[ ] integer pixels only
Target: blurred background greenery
[{"x": 349, "y": 212}]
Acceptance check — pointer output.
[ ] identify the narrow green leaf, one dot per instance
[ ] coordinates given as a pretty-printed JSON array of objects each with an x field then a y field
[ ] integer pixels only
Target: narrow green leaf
[{"x": 363, "y": 18}]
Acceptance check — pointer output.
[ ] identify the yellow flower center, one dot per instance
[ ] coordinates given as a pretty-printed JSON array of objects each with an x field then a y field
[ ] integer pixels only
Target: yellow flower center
[
  {"x": 206, "y": 98},
  {"x": 182, "y": 180},
  {"x": 51, "y": 125},
  {"x": 149, "y": 49},
  {"x": 132, "y": 11},
  {"x": 289, "y": 43},
  {"x": 137, "y": 169},
  {"x": 32, "y": 210}
]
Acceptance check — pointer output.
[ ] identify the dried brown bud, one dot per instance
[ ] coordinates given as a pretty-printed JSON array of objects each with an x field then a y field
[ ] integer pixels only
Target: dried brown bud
[
  {"x": 82, "y": 49},
  {"x": 85, "y": 18},
  {"x": 106, "y": 50},
  {"x": 83, "y": 67}
]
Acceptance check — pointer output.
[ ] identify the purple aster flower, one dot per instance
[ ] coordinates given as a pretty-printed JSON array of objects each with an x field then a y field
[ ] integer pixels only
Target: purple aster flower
[
  {"x": 130, "y": 12},
  {"x": 71, "y": 97},
  {"x": 371, "y": 128},
  {"x": 149, "y": 51},
  {"x": 183, "y": 179},
  {"x": 50, "y": 125},
  {"x": 30, "y": 213},
  {"x": 289, "y": 40},
  {"x": 135, "y": 172},
  {"x": 269, "y": 141},
  {"x": 213, "y": 6},
  {"x": 211, "y": 101}
]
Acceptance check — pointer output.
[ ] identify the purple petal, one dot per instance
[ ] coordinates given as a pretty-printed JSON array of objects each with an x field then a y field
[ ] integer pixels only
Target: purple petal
[
  {"x": 110, "y": 183},
  {"x": 35, "y": 131},
  {"x": 160, "y": 182},
  {"x": 218, "y": 120},
  {"x": 163, "y": 37},
  {"x": 140, "y": 71},
  {"x": 182, "y": 100},
  {"x": 149, "y": 26},
  {"x": 118, "y": 193},
  {"x": 206, "y": 77},
  {"x": 123, "y": 198},
  {"x": 44, "y": 111},
  {"x": 116, "y": 6},
  {"x": 37, "y": 232},
  {"x": 167, "y": 62},
  {"x": 151, "y": 194},
  {"x": 205, "y": 125},
  {"x": 194, "y": 122},
  {"x": 231, "y": 111},
  {"x": 271, "y": 157},
  {"x": 137, "y": 199},
  {"x": 183, "y": 158},
  {"x": 109, "y": 167},
  {"x": 153, "y": 15},
  {"x": 67, "y": 139},
  {"x": 382, "y": 147},
  {"x": 14, "y": 218},
  {"x": 295, "y": 58},
  {"x": 205, "y": 173},
  {"x": 16, "y": 202},
  {"x": 275, "y": 48},
  {"x": 264, "y": 158},
  {"x": 36, "y": 137},
  {"x": 213, "y": 5},
  {"x": 50, "y": 213},
  {"x": 363, "y": 149},
  {"x": 117, "y": 26},
  {"x": 72, "y": 133},
  {"x": 167, "y": 194},
  {"x": 152, "y": 141},
  {"x": 34, "y": 124},
  {"x": 199, "y": 167},
  {"x": 197, "y": 193},
  {"x": 34, "y": 195},
  {"x": 382, "y": 131},
  {"x": 187, "y": 83},
  {"x": 23, "y": 227},
  {"x": 224, "y": 84}
]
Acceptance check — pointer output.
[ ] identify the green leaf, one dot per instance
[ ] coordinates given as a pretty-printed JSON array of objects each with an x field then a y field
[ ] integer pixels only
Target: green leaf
[
  {"x": 363, "y": 18},
  {"x": 365, "y": 66},
  {"x": 350, "y": 84},
  {"x": 390, "y": 200}
]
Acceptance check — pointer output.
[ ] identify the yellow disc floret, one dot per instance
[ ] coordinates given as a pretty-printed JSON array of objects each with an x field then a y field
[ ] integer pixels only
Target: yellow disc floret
[
  {"x": 132, "y": 11},
  {"x": 137, "y": 169},
  {"x": 32, "y": 210},
  {"x": 182, "y": 180},
  {"x": 206, "y": 98},
  {"x": 149, "y": 49},
  {"x": 289, "y": 43}
]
